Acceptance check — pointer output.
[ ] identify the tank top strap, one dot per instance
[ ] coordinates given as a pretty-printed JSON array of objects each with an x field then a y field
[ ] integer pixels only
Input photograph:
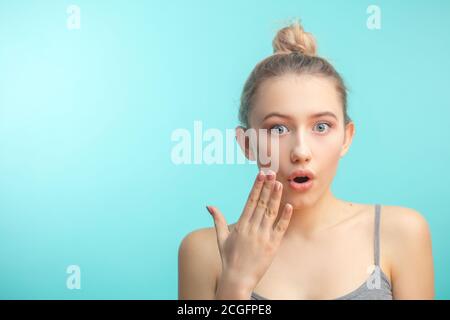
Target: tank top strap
[{"x": 377, "y": 235}]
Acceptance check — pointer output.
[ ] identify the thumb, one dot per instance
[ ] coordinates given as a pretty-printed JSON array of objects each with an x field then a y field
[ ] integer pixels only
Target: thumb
[{"x": 220, "y": 225}]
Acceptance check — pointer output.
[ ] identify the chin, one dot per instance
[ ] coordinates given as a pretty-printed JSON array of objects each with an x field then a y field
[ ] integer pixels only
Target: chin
[{"x": 299, "y": 201}]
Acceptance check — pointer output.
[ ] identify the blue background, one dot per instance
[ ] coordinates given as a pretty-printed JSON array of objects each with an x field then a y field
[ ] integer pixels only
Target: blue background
[{"x": 86, "y": 118}]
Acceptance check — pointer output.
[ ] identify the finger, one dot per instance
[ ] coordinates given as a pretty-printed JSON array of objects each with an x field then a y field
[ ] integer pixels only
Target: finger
[
  {"x": 252, "y": 200},
  {"x": 273, "y": 207},
  {"x": 261, "y": 206},
  {"x": 281, "y": 226},
  {"x": 220, "y": 224}
]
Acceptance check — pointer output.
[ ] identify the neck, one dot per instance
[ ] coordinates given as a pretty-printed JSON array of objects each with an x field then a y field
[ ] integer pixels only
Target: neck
[{"x": 307, "y": 219}]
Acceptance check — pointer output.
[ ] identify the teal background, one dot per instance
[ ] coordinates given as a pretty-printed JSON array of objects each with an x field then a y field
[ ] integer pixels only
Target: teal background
[{"x": 86, "y": 117}]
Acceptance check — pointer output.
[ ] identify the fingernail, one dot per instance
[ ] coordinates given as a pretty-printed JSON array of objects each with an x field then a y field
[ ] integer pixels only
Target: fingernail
[
  {"x": 270, "y": 175},
  {"x": 260, "y": 175},
  {"x": 209, "y": 210},
  {"x": 277, "y": 186}
]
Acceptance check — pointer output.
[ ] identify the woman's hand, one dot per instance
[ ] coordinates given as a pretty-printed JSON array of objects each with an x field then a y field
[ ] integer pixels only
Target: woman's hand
[{"x": 248, "y": 250}]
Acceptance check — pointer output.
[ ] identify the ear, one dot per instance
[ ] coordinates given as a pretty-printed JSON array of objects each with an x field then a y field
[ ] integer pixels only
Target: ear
[
  {"x": 348, "y": 137},
  {"x": 244, "y": 142}
]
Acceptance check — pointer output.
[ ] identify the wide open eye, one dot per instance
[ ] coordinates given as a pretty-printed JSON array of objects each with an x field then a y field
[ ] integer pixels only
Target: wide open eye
[
  {"x": 323, "y": 125},
  {"x": 278, "y": 129}
]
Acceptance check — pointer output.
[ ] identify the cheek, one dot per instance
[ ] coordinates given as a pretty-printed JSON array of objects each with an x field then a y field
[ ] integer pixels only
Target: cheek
[
  {"x": 326, "y": 155},
  {"x": 266, "y": 152},
  {"x": 327, "y": 150},
  {"x": 275, "y": 148}
]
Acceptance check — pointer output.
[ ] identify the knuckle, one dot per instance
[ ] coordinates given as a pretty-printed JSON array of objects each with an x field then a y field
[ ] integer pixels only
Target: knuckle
[
  {"x": 270, "y": 212},
  {"x": 252, "y": 200},
  {"x": 262, "y": 203},
  {"x": 280, "y": 227}
]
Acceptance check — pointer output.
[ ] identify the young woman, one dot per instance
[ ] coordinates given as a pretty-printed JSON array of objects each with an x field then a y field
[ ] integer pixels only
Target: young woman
[{"x": 295, "y": 239}]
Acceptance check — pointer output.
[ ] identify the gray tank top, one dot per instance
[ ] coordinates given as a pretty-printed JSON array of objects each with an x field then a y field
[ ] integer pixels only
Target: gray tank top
[{"x": 377, "y": 286}]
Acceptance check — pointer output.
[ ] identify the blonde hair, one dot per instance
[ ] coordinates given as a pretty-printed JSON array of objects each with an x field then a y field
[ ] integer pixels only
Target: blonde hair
[{"x": 294, "y": 52}]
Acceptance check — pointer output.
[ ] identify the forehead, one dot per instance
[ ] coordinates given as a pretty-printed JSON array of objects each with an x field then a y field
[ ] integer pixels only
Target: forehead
[{"x": 296, "y": 96}]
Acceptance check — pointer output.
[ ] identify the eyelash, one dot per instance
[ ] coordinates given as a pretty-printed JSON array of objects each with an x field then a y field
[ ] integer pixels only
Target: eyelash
[{"x": 330, "y": 125}]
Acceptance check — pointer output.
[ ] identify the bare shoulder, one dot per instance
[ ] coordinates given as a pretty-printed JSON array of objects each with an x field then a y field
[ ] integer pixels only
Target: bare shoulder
[
  {"x": 406, "y": 241},
  {"x": 202, "y": 242},
  {"x": 196, "y": 266},
  {"x": 403, "y": 223},
  {"x": 405, "y": 236},
  {"x": 199, "y": 264},
  {"x": 201, "y": 245}
]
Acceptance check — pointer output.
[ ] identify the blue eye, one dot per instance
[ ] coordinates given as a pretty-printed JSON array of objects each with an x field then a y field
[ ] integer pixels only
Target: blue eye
[
  {"x": 323, "y": 123},
  {"x": 276, "y": 129}
]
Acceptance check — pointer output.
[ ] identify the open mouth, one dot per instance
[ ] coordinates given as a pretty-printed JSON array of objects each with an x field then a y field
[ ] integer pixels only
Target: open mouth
[{"x": 301, "y": 179}]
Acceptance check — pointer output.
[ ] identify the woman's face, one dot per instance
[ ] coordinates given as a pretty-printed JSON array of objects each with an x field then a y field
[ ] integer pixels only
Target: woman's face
[{"x": 288, "y": 107}]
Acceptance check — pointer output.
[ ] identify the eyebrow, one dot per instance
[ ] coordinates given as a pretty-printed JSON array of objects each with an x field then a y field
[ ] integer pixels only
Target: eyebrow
[{"x": 315, "y": 115}]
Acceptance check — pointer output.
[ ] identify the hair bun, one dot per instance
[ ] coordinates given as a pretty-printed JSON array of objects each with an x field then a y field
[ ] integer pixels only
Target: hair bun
[{"x": 294, "y": 39}]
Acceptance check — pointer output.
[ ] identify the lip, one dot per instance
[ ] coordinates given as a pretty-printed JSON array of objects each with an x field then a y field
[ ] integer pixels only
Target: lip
[
  {"x": 301, "y": 186},
  {"x": 301, "y": 173}
]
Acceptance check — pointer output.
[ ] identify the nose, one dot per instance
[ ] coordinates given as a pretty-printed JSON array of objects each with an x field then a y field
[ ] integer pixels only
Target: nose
[{"x": 300, "y": 152}]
